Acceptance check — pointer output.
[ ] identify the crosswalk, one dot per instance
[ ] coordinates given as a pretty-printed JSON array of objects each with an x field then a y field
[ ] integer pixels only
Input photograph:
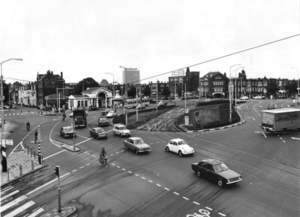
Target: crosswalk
[
  {"x": 13, "y": 203},
  {"x": 26, "y": 113}
]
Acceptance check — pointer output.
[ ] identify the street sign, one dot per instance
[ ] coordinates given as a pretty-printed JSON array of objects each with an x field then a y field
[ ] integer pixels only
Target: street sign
[
  {"x": 196, "y": 113},
  {"x": 7, "y": 141},
  {"x": 186, "y": 120},
  {"x": 186, "y": 110}
]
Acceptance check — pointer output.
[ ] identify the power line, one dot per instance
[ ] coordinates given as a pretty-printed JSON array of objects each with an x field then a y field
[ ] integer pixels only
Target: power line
[
  {"x": 17, "y": 79},
  {"x": 221, "y": 57}
]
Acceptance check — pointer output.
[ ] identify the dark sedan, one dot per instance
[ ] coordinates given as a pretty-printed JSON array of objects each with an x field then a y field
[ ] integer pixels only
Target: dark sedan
[
  {"x": 216, "y": 171},
  {"x": 98, "y": 133},
  {"x": 93, "y": 108},
  {"x": 103, "y": 122}
]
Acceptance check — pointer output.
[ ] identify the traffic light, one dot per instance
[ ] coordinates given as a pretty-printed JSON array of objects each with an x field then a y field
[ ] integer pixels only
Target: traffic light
[{"x": 57, "y": 170}]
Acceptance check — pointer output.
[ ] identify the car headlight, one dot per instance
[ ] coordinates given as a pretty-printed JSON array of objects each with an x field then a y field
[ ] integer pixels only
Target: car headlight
[{"x": 184, "y": 151}]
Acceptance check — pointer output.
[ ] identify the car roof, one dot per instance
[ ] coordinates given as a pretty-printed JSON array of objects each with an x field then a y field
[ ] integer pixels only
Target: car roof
[
  {"x": 97, "y": 128},
  {"x": 103, "y": 119},
  {"x": 176, "y": 140},
  {"x": 212, "y": 161},
  {"x": 135, "y": 138},
  {"x": 68, "y": 127},
  {"x": 119, "y": 125}
]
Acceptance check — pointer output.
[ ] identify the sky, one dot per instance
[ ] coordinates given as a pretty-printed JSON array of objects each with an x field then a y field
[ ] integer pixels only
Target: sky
[{"x": 88, "y": 38}]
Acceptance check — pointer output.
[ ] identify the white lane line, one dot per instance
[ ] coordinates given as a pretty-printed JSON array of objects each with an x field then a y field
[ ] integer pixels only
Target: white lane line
[
  {"x": 196, "y": 203},
  {"x": 122, "y": 150},
  {"x": 40, "y": 210},
  {"x": 221, "y": 214},
  {"x": 74, "y": 171},
  {"x": 158, "y": 185},
  {"x": 123, "y": 169},
  {"x": 117, "y": 152},
  {"x": 8, "y": 195},
  {"x": 81, "y": 167},
  {"x": 118, "y": 166},
  {"x": 13, "y": 203},
  {"x": 88, "y": 164},
  {"x": 150, "y": 181},
  {"x": 185, "y": 198},
  {"x": 113, "y": 164},
  {"x": 167, "y": 189},
  {"x": 93, "y": 155},
  {"x": 136, "y": 174},
  {"x": 111, "y": 154},
  {"x": 209, "y": 208},
  {"x": 143, "y": 177},
  {"x": 46, "y": 184},
  {"x": 129, "y": 171},
  {"x": 175, "y": 193},
  {"x": 283, "y": 141},
  {"x": 20, "y": 209}
]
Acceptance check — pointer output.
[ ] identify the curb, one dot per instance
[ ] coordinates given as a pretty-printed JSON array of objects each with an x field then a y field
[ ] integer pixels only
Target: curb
[
  {"x": 70, "y": 148},
  {"x": 65, "y": 211},
  {"x": 24, "y": 175}
]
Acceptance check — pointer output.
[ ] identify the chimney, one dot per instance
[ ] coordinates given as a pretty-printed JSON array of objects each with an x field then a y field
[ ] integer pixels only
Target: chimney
[{"x": 61, "y": 74}]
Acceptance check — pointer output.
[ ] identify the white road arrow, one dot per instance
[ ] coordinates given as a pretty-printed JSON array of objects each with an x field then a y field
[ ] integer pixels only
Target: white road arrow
[{"x": 262, "y": 133}]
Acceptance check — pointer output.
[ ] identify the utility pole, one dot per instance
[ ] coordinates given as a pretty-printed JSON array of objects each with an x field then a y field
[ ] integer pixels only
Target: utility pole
[
  {"x": 57, "y": 173},
  {"x": 199, "y": 87},
  {"x": 156, "y": 96},
  {"x": 136, "y": 101}
]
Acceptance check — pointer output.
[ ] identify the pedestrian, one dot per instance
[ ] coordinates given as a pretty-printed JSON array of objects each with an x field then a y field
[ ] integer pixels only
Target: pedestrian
[{"x": 35, "y": 136}]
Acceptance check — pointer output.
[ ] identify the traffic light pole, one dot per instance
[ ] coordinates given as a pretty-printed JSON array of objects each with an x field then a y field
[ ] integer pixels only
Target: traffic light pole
[{"x": 57, "y": 172}]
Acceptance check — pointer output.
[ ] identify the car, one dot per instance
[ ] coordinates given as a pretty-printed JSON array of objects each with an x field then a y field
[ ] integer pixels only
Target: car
[
  {"x": 93, "y": 108},
  {"x": 257, "y": 97},
  {"x": 67, "y": 131},
  {"x": 180, "y": 147},
  {"x": 244, "y": 98},
  {"x": 98, "y": 133},
  {"x": 5, "y": 107},
  {"x": 137, "y": 145},
  {"x": 162, "y": 103},
  {"x": 105, "y": 111},
  {"x": 102, "y": 122},
  {"x": 271, "y": 106},
  {"x": 110, "y": 114},
  {"x": 216, "y": 171},
  {"x": 120, "y": 129},
  {"x": 71, "y": 114}
]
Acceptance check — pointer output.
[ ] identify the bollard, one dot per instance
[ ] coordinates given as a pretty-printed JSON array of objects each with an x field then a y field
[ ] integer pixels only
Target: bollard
[
  {"x": 8, "y": 174},
  {"x": 20, "y": 165},
  {"x": 32, "y": 165}
]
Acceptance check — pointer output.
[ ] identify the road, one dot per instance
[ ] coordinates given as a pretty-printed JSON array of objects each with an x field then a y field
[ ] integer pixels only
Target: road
[{"x": 161, "y": 183}]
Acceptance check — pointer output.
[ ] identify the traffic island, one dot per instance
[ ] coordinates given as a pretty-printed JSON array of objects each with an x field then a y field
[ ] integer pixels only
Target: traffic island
[
  {"x": 65, "y": 211},
  {"x": 71, "y": 148}
]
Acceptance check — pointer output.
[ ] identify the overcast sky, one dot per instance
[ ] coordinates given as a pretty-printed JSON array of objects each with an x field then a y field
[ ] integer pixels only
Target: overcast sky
[{"x": 90, "y": 37}]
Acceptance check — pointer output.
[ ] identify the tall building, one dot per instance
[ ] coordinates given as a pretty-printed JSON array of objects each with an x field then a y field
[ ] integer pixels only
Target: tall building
[{"x": 131, "y": 76}]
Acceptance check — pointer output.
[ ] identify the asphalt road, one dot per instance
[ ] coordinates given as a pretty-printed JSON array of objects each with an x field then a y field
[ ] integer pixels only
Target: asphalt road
[{"x": 162, "y": 183}]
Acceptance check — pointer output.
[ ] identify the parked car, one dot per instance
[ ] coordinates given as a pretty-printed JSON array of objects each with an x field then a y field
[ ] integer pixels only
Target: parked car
[
  {"x": 258, "y": 97},
  {"x": 98, "y": 133},
  {"x": 67, "y": 132},
  {"x": 5, "y": 107},
  {"x": 244, "y": 98},
  {"x": 120, "y": 129},
  {"x": 71, "y": 115},
  {"x": 110, "y": 114},
  {"x": 105, "y": 111},
  {"x": 102, "y": 122},
  {"x": 137, "y": 145},
  {"x": 271, "y": 106},
  {"x": 93, "y": 108},
  {"x": 180, "y": 147},
  {"x": 216, "y": 171}
]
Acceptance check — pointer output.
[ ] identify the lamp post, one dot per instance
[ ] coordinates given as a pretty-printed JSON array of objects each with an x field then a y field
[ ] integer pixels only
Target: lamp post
[
  {"x": 298, "y": 81},
  {"x": 125, "y": 82},
  {"x": 235, "y": 88},
  {"x": 230, "y": 93},
  {"x": 3, "y": 146},
  {"x": 113, "y": 82}
]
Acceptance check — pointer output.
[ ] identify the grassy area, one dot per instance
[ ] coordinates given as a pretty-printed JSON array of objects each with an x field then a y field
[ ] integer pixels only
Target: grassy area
[{"x": 215, "y": 115}]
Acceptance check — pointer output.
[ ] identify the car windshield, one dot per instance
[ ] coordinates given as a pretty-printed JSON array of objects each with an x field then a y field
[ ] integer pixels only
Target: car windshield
[
  {"x": 99, "y": 130},
  {"x": 220, "y": 167},
  {"x": 102, "y": 120},
  {"x": 182, "y": 142},
  {"x": 68, "y": 130},
  {"x": 122, "y": 128},
  {"x": 138, "y": 142}
]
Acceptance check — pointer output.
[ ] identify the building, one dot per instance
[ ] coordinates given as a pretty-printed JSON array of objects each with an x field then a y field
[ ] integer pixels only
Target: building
[
  {"x": 27, "y": 95},
  {"x": 214, "y": 84},
  {"x": 131, "y": 76},
  {"x": 48, "y": 84}
]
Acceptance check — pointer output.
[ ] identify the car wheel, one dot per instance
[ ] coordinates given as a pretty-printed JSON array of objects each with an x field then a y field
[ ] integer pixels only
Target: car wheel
[
  {"x": 220, "y": 182},
  {"x": 106, "y": 137},
  {"x": 198, "y": 173},
  {"x": 167, "y": 149},
  {"x": 180, "y": 154},
  {"x": 137, "y": 151},
  {"x": 65, "y": 136}
]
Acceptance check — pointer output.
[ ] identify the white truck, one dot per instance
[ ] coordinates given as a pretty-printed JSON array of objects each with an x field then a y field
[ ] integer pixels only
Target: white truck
[{"x": 280, "y": 120}]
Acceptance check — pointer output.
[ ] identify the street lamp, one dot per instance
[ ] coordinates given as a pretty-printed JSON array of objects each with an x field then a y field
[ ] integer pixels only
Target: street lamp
[
  {"x": 236, "y": 84},
  {"x": 298, "y": 81},
  {"x": 3, "y": 151},
  {"x": 230, "y": 93},
  {"x": 113, "y": 82}
]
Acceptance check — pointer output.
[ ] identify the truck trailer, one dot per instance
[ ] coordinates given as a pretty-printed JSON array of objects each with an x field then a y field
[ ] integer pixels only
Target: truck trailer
[
  {"x": 280, "y": 120},
  {"x": 79, "y": 116}
]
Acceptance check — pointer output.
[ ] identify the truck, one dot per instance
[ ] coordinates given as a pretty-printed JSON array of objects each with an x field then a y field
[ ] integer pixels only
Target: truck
[
  {"x": 280, "y": 120},
  {"x": 80, "y": 116}
]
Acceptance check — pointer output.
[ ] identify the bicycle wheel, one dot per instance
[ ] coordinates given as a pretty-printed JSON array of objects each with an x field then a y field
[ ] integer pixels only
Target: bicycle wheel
[{"x": 107, "y": 165}]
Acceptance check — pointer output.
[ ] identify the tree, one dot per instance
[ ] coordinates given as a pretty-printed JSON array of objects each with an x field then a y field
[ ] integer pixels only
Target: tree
[
  {"x": 272, "y": 87},
  {"x": 104, "y": 83},
  {"x": 132, "y": 91},
  {"x": 292, "y": 87},
  {"x": 166, "y": 91},
  {"x": 84, "y": 84},
  {"x": 147, "y": 91}
]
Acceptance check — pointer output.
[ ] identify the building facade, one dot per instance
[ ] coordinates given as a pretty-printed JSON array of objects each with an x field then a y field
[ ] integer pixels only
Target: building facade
[
  {"x": 131, "y": 76},
  {"x": 27, "y": 95},
  {"x": 214, "y": 84}
]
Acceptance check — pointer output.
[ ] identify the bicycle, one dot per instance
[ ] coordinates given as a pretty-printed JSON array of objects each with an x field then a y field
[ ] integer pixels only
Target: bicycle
[{"x": 104, "y": 163}]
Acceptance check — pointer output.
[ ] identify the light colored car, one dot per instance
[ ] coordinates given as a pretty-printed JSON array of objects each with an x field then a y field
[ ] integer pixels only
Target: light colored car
[
  {"x": 98, "y": 133},
  {"x": 258, "y": 97},
  {"x": 120, "y": 129},
  {"x": 110, "y": 114},
  {"x": 71, "y": 114},
  {"x": 137, "y": 145},
  {"x": 180, "y": 147},
  {"x": 244, "y": 98},
  {"x": 67, "y": 132}
]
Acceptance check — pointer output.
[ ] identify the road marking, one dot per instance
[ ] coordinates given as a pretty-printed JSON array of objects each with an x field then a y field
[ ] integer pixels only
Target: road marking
[
  {"x": 221, "y": 214},
  {"x": 123, "y": 169},
  {"x": 196, "y": 203},
  {"x": 88, "y": 164},
  {"x": 113, "y": 164},
  {"x": 295, "y": 138},
  {"x": 38, "y": 188},
  {"x": 6, "y": 189},
  {"x": 136, "y": 174},
  {"x": 118, "y": 166},
  {"x": 209, "y": 208},
  {"x": 185, "y": 198},
  {"x": 143, "y": 177},
  {"x": 8, "y": 195},
  {"x": 13, "y": 203},
  {"x": 81, "y": 167},
  {"x": 167, "y": 189},
  {"x": 129, "y": 171},
  {"x": 73, "y": 171},
  {"x": 175, "y": 193},
  {"x": 158, "y": 185},
  {"x": 261, "y": 133},
  {"x": 20, "y": 209},
  {"x": 111, "y": 154},
  {"x": 150, "y": 181},
  {"x": 40, "y": 210},
  {"x": 117, "y": 152}
]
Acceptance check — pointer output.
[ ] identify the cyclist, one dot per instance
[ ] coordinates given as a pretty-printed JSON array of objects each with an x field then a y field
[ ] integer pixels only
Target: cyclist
[
  {"x": 28, "y": 125},
  {"x": 103, "y": 156},
  {"x": 35, "y": 136}
]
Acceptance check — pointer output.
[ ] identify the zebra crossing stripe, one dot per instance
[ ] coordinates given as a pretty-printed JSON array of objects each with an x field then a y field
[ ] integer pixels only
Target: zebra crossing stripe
[
  {"x": 13, "y": 203},
  {"x": 8, "y": 195},
  {"x": 36, "y": 212},
  {"x": 20, "y": 209}
]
